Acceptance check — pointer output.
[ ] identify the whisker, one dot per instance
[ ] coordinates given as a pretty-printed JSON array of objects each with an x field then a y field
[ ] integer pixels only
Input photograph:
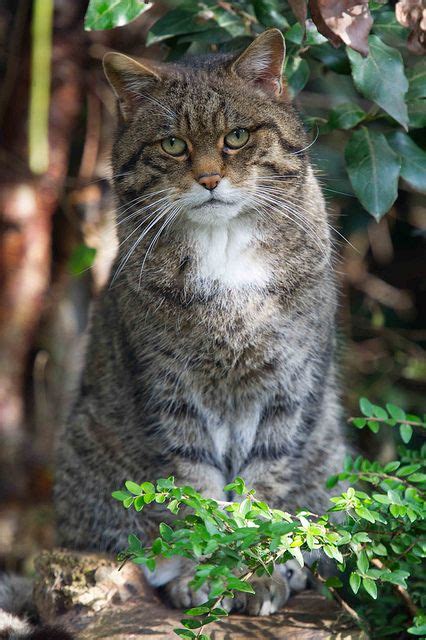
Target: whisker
[
  {"x": 124, "y": 261},
  {"x": 296, "y": 153},
  {"x": 172, "y": 215}
]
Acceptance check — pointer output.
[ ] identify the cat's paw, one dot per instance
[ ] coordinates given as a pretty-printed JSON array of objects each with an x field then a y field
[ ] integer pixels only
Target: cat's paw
[
  {"x": 271, "y": 592},
  {"x": 182, "y": 596}
]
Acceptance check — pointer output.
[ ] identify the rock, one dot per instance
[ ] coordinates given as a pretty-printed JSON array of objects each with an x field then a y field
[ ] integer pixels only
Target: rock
[{"x": 87, "y": 594}]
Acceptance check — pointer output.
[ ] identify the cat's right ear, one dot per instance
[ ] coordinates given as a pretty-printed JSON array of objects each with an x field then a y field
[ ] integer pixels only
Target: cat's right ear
[{"x": 129, "y": 80}]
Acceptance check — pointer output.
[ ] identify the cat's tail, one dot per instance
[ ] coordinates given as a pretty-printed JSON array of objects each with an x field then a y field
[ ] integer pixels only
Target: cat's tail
[{"x": 16, "y": 604}]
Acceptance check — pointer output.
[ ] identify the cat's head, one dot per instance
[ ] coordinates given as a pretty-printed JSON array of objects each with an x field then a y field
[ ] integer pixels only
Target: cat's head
[{"x": 208, "y": 139}]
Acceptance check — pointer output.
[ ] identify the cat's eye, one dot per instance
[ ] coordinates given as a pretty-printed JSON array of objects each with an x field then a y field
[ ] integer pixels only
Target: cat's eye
[
  {"x": 237, "y": 138},
  {"x": 174, "y": 146}
]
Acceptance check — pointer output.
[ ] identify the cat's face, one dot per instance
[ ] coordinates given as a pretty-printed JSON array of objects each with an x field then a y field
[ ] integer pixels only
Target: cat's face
[{"x": 206, "y": 142}]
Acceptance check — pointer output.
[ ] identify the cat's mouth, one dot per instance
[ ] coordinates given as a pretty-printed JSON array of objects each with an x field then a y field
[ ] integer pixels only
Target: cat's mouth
[{"x": 214, "y": 202}]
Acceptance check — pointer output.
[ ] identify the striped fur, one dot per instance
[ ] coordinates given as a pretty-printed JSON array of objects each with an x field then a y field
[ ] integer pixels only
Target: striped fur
[{"x": 212, "y": 352}]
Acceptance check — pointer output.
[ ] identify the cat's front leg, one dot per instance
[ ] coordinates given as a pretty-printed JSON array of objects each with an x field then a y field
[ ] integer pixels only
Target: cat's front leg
[{"x": 173, "y": 575}]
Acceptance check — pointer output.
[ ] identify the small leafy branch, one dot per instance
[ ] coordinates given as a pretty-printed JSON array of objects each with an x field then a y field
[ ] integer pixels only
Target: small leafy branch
[{"x": 380, "y": 543}]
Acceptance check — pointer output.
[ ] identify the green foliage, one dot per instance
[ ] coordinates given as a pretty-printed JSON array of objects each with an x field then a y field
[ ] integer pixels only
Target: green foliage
[
  {"x": 81, "y": 259},
  {"x": 378, "y": 545},
  {"x": 371, "y": 99},
  {"x": 107, "y": 14}
]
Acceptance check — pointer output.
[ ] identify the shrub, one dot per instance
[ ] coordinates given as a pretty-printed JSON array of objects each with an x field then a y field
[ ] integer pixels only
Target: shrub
[{"x": 379, "y": 545}]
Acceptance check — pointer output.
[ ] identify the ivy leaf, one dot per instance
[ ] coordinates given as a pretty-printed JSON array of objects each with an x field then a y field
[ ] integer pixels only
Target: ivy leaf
[
  {"x": 417, "y": 81},
  {"x": 178, "y": 22},
  {"x": 380, "y": 77},
  {"x": 297, "y": 73},
  {"x": 413, "y": 160},
  {"x": 417, "y": 113},
  {"x": 346, "y": 116},
  {"x": 373, "y": 170},
  {"x": 107, "y": 15}
]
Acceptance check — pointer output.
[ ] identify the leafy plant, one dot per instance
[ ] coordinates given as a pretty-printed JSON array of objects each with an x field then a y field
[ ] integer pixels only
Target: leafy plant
[
  {"x": 372, "y": 90},
  {"x": 379, "y": 545}
]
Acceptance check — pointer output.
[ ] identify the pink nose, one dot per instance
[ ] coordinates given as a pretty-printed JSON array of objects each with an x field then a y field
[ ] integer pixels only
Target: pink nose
[{"x": 209, "y": 180}]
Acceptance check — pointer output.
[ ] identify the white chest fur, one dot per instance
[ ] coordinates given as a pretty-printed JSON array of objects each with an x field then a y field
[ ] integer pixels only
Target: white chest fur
[{"x": 227, "y": 254}]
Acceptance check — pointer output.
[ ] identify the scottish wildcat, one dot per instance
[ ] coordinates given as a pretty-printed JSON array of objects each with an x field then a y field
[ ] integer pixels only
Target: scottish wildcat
[{"x": 211, "y": 352}]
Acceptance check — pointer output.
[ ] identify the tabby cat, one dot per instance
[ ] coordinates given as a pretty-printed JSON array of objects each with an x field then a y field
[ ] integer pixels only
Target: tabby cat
[{"x": 211, "y": 349}]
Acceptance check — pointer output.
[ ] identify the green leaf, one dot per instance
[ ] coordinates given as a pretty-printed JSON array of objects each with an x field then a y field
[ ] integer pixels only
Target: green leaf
[
  {"x": 184, "y": 633},
  {"x": 355, "y": 582},
  {"x": 176, "y": 23},
  {"x": 413, "y": 160},
  {"x": 417, "y": 631},
  {"x": 268, "y": 13},
  {"x": 240, "y": 585},
  {"x": 333, "y": 581},
  {"x": 139, "y": 503},
  {"x": 417, "y": 81},
  {"x": 133, "y": 487},
  {"x": 417, "y": 113},
  {"x": 417, "y": 477},
  {"x": 373, "y": 426},
  {"x": 366, "y": 407},
  {"x": 380, "y": 77},
  {"x": 197, "y": 611},
  {"x": 362, "y": 512},
  {"x": 379, "y": 412},
  {"x": 392, "y": 466},
  {"x": 389, "y": 29},
  {"x": 370, "y": 587},
  {"x": 362, "y": 562},
  {"x": 396, "y": 413},
  {"x": 406, "y": 470},
  {"x": 406, "y": 431},
  {"x": 373, "y": 170},
  {"x": 297, "y": 73},
  {"x": 331, "y": 482},
  {"x": 104, "y": 14},
  {"x": 346, "y": 116},
  {"x": 82, "y": 258},
  {"x": 128, "y": 502},
  {"x": 120, "y": 495},
  {"x": 166, "y": 532},
  {"x": 359, "y": 422},
  {"x": 191, "y": 624}
]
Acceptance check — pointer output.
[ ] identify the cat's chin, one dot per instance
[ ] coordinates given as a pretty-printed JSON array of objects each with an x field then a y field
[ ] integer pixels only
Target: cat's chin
[{"x": 214, "y": 213}]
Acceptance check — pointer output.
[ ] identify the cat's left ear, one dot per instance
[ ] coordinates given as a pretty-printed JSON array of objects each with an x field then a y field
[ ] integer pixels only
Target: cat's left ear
[
  {"x": 262, "y": 62},
  {"x": 129, "y": 79}
]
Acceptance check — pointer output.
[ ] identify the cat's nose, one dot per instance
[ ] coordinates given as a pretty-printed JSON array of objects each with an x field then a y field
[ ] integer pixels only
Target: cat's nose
[{"x": 209, "y": 180}]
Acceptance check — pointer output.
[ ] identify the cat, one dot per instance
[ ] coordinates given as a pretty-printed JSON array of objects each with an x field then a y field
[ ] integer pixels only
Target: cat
[{"x": 211, "y": 351}]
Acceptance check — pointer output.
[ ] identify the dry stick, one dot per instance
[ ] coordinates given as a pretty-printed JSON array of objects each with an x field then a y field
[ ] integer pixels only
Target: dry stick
[
  {"x": 340, "y": 600},
  {"x": 403, "y": 594}
]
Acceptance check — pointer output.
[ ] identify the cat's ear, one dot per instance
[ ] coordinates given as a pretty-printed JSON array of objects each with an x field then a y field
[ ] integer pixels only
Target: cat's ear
[
  {"x": 262, "y": 62},
  {"x": 129, "y": 79}
]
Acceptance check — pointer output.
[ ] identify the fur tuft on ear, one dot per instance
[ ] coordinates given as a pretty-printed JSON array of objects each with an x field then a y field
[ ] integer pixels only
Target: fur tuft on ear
[
  {"x": 262, "y": 62},
  {"x": 126, "y": 77}
]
